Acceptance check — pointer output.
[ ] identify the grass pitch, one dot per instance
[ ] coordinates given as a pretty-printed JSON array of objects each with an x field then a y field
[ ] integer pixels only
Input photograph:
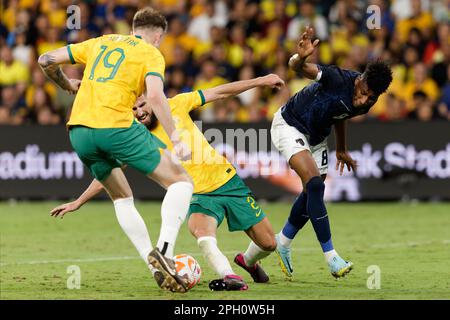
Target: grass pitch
[{"x": 409, "y": 243}]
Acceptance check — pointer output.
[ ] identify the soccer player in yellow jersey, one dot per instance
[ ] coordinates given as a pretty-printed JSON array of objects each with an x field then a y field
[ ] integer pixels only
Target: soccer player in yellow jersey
[
  {"x": 105, "y": 134},
  {"x": 218, "y": 190}
]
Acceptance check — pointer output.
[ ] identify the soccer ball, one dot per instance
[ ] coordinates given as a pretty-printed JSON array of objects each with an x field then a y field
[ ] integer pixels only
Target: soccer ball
[{"x": 187, "y": 265}]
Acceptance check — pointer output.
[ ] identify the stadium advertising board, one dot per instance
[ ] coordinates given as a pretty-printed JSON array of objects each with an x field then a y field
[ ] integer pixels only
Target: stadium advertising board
[{"x": 407, "y": 160}]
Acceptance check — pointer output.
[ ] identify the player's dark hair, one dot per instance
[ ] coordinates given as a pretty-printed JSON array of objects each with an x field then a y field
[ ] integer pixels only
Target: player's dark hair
[
  {"x": 378, "y": 75},
  {"x": 149, "y": 18}
]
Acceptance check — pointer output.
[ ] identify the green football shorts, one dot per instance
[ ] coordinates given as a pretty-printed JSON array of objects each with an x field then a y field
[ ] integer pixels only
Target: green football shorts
[
  {"x": 102, "y": 150},
  {"x": 234, "y": 200}
]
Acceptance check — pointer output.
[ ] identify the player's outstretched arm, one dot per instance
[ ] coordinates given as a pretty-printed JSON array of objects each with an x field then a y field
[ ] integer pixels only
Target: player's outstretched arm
[
  {"x": 234, "y": 88},
  {"x": 342, "y": 155},
  {"x": 157, "y": 101},
  {"x": 50, "y": 62},
  {"x": 94, "y": 189},
  {"x": 305, "y": 47}
]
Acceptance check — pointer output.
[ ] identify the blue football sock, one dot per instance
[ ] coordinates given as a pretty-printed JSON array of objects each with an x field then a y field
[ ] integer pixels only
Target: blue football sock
[
  {"x": 318, "y": 213},
  {"x": 297, "y": 218}
]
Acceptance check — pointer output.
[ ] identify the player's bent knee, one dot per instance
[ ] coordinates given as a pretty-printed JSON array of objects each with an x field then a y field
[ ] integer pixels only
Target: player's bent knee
[
  {"x": 269, "y": 245},
  {"x": 315, "y": 184}
]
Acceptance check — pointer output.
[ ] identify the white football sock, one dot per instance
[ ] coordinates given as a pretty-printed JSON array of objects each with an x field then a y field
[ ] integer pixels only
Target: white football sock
[
  {"x": 254, "y": 254},
  {"x": 174, "y": 209},
  {"x": 215, "y": 258},
  {"x": 329, "y": 255},
  {"x": 133, "y": 225},
  {"x": 284, "y": 241}
]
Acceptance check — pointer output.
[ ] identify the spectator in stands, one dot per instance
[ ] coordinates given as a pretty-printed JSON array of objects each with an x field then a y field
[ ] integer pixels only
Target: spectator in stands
[
  {"x": 395, "y": 109},
  {"x": 177, "y": 83},
  {"x": 39, "y": 82},
  {"x": 342, "y": 9},
  {"x": 444, "y": 102},
  {"x": 420, "y": 18},
  {"x": 423, "y": 109},
  {"x": 224, "y": 68},
  {"x": 238, "y": 42},
  {"x": 51, "y": 41},
  {"x": 21, "y": 51},
  {"x": 307, "y": 16},
  {"x": 12, "y": 110},
  {"x": 227, "y": 39},
  {"x": 182, "y": 61},
  {"x": 13, "y": 72},
  {"x": 200, "y": 25},
  {"x": 42, "y": 111},
  {"x": 177, "y": 36},
  {"x": 421, "y": 82}
]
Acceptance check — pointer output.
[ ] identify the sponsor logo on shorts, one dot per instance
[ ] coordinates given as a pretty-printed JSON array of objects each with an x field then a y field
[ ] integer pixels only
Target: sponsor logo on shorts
[{"x": 300, "y": 140}]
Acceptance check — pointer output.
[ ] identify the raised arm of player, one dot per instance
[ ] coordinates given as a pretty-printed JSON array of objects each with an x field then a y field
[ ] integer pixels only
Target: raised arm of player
[
  {"x": 233, "y": 88},
  {"x": 50, "y": 62},
  {"x": 157, "y": 101},
  {"x": 305, "y": 48},
  {"x": 94, "y": 189},
  {"x": 342, "y": 155}
]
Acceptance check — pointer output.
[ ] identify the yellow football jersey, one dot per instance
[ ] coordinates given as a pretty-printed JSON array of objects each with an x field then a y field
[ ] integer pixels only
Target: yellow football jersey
[
  {"x": 208, "y": 169},
  {"x": 116, "y": 67}
]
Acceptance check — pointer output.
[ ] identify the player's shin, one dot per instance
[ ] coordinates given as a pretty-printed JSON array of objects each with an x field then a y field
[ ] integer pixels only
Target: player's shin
[
  {"x": 133, "y": 225},
  {"x": 298, "y": 217},
  {"x": 215, "y": 258},
  {"x": 174, "y": 209},
  {"x": 318, "y": 213},
  {"x": 253, "y": 254}
]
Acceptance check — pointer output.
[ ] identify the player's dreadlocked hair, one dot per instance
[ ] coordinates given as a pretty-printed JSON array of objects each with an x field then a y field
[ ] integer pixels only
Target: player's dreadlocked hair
[{"x": 378, "y": 75}]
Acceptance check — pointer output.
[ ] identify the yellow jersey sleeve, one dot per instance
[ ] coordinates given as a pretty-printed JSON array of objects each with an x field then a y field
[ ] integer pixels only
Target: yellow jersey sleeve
[
  {"x": 155, "y": 64},
  {"x": 79, "y": 52},
  {"x": 185, "y": 102}
]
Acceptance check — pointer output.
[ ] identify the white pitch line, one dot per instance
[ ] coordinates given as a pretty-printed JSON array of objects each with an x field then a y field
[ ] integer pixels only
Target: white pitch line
[{"x": 307, "y": 249}]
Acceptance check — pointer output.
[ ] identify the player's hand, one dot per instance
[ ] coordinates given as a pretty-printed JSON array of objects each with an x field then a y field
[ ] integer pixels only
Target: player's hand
[
  {"x": 305, "y": 46},
  {"x": 344, "y": 159},
  {"x": 61, "y": 210},
  {"x": 273, "y": 81},
  {"x": 181, "y": 150},
  {"x": 74, "y": 85}
]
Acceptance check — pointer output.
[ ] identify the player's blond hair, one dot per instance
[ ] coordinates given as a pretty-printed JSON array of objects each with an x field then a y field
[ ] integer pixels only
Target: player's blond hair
[{"x": 149, "y": 18}]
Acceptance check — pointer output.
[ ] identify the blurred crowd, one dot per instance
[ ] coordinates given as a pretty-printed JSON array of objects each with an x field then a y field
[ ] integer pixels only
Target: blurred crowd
[{"x": 209, "y": 43}]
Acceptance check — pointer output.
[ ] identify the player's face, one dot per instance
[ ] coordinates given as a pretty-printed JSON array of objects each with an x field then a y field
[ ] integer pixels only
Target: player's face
[
  {"x": 142, "y": 115},
  {"x": 363, "y": 96}
]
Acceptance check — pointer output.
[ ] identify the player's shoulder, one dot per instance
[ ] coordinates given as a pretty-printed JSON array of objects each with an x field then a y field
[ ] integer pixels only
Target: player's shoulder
[
  {"x": 334, "y": 73},
  {"x": 187, "y": 100}
]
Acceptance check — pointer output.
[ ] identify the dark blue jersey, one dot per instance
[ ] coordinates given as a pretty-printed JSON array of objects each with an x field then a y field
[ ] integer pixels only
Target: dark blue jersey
[{"x": 315, "y": 108}]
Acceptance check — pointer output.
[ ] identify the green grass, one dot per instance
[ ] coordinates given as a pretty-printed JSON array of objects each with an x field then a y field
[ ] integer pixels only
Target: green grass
[{"x": 410, "y": 244}]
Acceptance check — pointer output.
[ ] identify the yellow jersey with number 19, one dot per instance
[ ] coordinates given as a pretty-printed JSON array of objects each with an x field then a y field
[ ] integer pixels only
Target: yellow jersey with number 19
[
  {"x": 116, "y": 68},
  {"x": 208, "y": 169}
]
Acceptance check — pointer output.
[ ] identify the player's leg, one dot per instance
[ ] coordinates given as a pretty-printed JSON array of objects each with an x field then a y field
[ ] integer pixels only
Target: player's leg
[
  {"x": 305, "y": 166},
  {"x": 127, "y": 215},
  {"x": 263, "y": 243},
  {"x": 171, "y": 175},
  {"x": 203, "y": 227},
  {"x": 107, "y": 170},
  {"x": 138, "y": 148},
  {"x": 289, "y": 141}
]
